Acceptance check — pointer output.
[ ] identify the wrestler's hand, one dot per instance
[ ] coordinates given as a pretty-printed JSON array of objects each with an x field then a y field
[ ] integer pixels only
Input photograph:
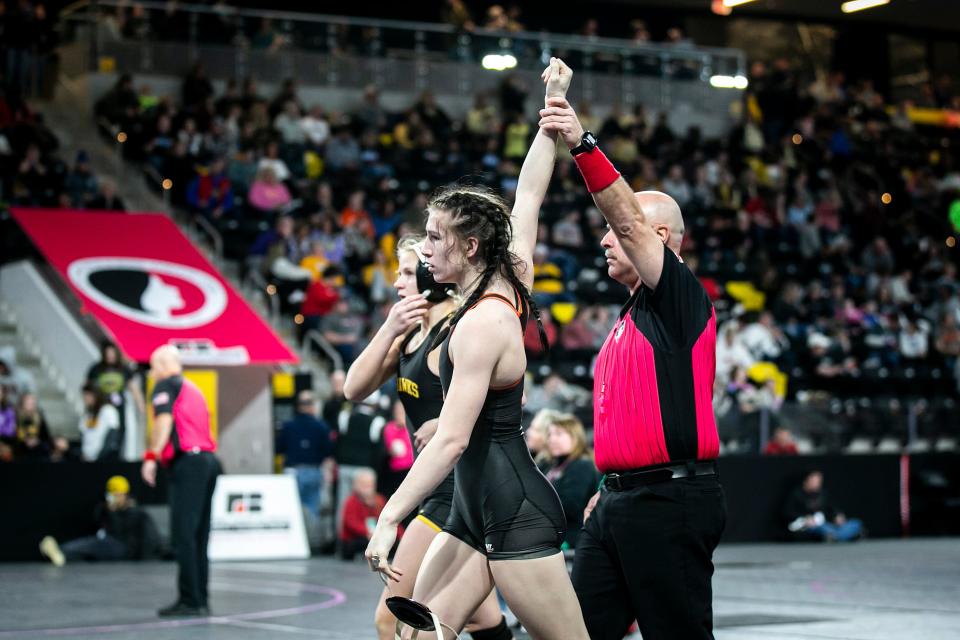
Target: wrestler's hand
[
  {"x": 591, "y": 505},
  {"x": 406, "y": 313},
  {"x": 557, "y": 77},
  {"x": 559, "y": 116},
  {"x": 423, "y": 435},
  {"x": 378, "y": 550}
]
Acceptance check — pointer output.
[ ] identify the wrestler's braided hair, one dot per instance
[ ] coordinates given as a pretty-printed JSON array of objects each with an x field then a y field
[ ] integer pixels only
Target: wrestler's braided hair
[{"x": 478, "y": 212}]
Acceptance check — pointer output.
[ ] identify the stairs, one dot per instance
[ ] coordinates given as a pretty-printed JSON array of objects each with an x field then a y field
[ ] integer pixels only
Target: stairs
[{"x": 59, "y": 405}]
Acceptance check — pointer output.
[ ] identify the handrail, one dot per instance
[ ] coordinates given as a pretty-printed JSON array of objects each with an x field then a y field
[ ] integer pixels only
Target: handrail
[
  {"x": 211, "y": 231},
  {"x": 317, "y": 338},
  {"x": 261, "y": 285},
  {"x": 589, "y": 44}
]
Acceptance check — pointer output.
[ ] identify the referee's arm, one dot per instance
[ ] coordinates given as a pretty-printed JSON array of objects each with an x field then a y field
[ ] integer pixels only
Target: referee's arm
[{"x": 162, "y": 426}]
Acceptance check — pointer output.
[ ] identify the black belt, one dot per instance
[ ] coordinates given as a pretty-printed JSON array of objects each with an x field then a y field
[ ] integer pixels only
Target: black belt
[{"x": 623, "y": 480}]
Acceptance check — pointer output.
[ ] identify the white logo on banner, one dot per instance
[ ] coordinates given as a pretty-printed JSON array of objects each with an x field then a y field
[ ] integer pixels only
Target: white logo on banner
[
  {"x": 132, "y": 288},
  {"x": 257, "y": 518}
]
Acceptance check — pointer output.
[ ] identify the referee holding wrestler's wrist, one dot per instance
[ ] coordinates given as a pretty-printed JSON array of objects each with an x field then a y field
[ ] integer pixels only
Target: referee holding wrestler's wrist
[
  {"x": 646, "y": 550},
  {"x": 182, "y": 442}
]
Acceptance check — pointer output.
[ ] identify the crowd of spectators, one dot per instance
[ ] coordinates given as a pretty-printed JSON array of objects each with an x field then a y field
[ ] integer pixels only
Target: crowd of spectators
[{"x": 818, "y": 224}]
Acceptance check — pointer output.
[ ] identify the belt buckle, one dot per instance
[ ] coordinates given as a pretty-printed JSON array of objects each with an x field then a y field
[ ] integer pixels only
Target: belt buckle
[{"x": 614, "y": 482}]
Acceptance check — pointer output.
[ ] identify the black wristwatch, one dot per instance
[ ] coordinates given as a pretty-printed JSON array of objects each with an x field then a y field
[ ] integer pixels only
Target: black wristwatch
[{"x": 588, "y": 142}]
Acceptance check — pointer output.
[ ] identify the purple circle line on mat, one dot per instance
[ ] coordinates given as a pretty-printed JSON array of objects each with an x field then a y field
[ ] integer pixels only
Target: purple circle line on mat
[{"x": 337, "y": 598}]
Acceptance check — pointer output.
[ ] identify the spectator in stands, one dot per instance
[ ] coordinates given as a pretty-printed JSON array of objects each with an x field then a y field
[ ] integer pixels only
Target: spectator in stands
[
  {"x": 81, "y": 184},
  {"x": 125, "y": 532},
  {"x": 306, "y": 444},
  {"x": 271, "y": 159},
  {"x": 914, "y": 339},
  {"x": 33, "y": 436},
  {"x": 267, "y": 193},
  {"x": 315, "y": 127},
  {"x": 343, "y": 329},
  {"x": 782, "y": 444},
  {"x": 8, "y": 417},
  {"x": 399, "y": 451},
  {"x": 107, "y": 199},
  {"x": 210, "y": 194},
  {"x": 321, "y": 297},
  {"x": 571, "y": 471},
  {"x": 355, "y": 214},
  {"x": 36, "y": 180},
  {"x": 548, "y": 285},
  {"x": 288, "y": 124},
  {"x": 359, "y": 443},
  {"x": 342, "y": 152},
  {"x": 197, "y": 87},
  {"x": 114, "y": 378},
  {"x": 14, "y": 379},
  {"x": 361, "y": 509},
  {"x": 948, "y": 339},
  {"x": 121, "y": 104},
  {"x": 99, "y": 426},
  {"x": 555, "y": 393},
  {"x": 763, "y": 338},
  {"x": 537, "y": 435},
  {"x": 458, "y": 16},
  {"x": 811, "y": 516}
]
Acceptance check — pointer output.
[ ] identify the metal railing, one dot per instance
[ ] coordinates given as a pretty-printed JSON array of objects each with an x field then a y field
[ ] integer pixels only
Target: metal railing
[
  {"x": 314, "y": 337},
  {"x": 343, "y": 52}
]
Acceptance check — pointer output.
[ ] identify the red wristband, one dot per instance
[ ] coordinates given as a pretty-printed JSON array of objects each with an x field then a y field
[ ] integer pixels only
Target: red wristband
[
  {"x": 149, "y": 455},
  {"x": 598, "y": 172}
]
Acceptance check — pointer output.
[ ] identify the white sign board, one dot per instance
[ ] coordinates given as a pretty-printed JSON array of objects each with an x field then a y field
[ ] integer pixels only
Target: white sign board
[{"x": 257, "y": 518}]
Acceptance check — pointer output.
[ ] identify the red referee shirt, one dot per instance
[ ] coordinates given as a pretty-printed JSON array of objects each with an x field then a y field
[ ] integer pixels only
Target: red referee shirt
[
  {"x": 191, "y": 419},
  {"x": 653, "y": 384}
]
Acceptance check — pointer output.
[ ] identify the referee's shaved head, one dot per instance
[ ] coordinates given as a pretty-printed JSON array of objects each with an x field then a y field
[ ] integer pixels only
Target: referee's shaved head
[
  {"x": 165, "y": 362},
  {"x": 661, "y": 209}
]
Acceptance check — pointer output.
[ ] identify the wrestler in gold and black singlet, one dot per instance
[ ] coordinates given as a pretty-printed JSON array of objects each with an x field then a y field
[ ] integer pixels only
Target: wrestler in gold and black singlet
[
  {"x": 503, "y": 506},
  {"x": 421, "y": 394}
]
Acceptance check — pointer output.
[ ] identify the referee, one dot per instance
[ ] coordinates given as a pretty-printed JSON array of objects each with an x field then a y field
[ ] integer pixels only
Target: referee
[
  {"x": 182, "y": 442},
  {"x": 646, "y": 551}
]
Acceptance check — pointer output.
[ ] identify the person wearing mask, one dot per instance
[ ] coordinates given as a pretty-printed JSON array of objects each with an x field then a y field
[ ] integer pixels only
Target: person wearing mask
[
  {"x": 99, "y": 426},
  {"x": 571, "y": 471},
  {"x": 125, "y": 532},
  {"x": 305, "y": 444},
  {"x": 181, "y": 441},
  {"x": 811, "y": 516}
]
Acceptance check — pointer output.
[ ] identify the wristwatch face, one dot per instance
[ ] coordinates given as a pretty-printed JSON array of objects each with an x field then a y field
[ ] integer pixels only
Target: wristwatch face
[{"x": 589, "y": 140}]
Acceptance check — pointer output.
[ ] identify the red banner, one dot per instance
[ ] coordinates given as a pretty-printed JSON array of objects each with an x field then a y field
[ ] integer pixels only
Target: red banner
[{"x": 148, "y": 286}]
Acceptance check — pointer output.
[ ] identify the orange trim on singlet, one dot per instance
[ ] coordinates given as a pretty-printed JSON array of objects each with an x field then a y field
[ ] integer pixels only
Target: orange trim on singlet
[
  {"x": 507, "y": 387},
  {"x": 501, "y": 298}
]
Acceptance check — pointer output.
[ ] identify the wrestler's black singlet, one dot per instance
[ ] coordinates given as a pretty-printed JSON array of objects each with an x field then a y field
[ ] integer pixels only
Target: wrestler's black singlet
[
  {"x": 421, "y": 394},
  {"x": 503, "y": 506}
]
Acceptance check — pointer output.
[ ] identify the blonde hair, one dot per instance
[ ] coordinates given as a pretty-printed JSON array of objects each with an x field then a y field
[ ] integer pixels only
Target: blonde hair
[{"x": 572, "y": 425}]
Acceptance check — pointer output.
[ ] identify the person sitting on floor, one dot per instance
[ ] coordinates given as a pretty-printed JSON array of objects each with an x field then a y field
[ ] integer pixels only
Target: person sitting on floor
[
  {"x": 126, "y": 532},
  {"x": 811, "y": 517}
]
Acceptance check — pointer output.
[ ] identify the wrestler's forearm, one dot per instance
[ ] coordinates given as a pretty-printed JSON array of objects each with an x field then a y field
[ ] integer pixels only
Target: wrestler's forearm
[{"x": 434, "y": 463}]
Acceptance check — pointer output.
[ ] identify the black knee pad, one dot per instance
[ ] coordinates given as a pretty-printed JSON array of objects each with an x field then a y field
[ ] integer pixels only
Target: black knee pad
[{"x": 499, "y": 632}]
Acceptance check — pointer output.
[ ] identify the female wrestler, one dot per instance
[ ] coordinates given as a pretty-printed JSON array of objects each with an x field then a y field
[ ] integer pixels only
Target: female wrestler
[
  {"x": 404, "y": 346},
  {"x": 506, "y": 525}
]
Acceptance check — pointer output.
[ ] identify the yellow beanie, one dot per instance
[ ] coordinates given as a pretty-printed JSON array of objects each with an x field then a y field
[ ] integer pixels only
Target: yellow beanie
[{"x": 118, "y": 484}]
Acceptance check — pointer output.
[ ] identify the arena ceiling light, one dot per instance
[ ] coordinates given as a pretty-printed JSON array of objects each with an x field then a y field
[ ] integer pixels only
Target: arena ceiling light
[
  {"x": 499, "y": 61},
  {"x": 860, "y": 5},
  {"x": 735, "y": 3},
  {"x": 729, "y": 82}
]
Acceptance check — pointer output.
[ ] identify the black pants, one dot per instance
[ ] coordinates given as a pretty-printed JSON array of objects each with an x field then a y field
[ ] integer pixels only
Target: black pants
[
  {"x": 647, "y": 554},
  {"x": 192, "y": 480}
]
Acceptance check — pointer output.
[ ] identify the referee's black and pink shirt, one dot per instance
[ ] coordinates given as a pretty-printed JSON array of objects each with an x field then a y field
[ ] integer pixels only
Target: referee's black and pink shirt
[
  {"x": 653, "y": 382},
  {"x": 191, "y": 419}
]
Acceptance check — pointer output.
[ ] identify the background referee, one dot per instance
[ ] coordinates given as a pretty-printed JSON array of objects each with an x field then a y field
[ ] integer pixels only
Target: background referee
[
  {"x": 646, "y": 551},
  {"x": 182, "y": 442}
]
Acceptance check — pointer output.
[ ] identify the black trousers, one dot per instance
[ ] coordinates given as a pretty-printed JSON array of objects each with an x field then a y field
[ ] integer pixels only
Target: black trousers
[
  {"x": 192, "y": 480},
  {"x": 647, "y": 554}
]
